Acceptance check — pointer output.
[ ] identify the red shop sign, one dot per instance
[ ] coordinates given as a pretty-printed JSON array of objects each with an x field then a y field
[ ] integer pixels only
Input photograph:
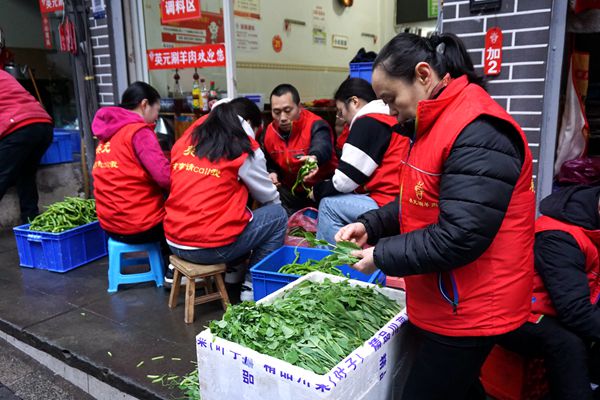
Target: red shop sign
[
  {"x": 47, "y": 31},
  {"x": 47, "y": 6},
  {"x": 208, "y": 55},
  {"x": 492, "y": 55},
  {"x": 179, "y": 10}
]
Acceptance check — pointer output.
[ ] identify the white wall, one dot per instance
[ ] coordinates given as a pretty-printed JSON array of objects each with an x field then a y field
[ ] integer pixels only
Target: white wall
[{"x": 329, "y": 64}]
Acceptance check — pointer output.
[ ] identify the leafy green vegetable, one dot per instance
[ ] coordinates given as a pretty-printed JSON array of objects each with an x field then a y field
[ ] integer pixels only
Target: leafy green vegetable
[
  {"x": 313, "y": 326},
  {"x": 308, "y": 166},
  {"x": 188, "y": 384}
]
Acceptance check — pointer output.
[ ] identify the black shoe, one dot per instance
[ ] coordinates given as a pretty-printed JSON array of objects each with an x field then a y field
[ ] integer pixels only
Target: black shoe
[
  {"x": 168, "y": 281},
  {"x": 234, "y": 291}
]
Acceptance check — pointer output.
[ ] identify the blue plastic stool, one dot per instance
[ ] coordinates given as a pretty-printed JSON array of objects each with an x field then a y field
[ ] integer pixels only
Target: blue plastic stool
[{"x": 116, "y": 251}]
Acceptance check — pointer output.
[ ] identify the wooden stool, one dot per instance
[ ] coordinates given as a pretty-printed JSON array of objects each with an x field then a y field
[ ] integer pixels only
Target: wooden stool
[{"x": 193, "y": 271}]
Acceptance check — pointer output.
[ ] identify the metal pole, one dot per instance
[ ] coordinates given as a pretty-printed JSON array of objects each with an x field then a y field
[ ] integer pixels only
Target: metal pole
[
  {"x": 549, "y": 129},
  {"x": 229, "y": 43}
]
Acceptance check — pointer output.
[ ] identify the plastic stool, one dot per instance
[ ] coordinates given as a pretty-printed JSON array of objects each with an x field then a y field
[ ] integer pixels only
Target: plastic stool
[{"x": 116, "y": 251}]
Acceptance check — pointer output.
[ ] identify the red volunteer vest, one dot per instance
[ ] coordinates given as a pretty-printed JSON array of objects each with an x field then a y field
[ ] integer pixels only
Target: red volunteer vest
[
  {"x": 283, "y": 153},
  {"x": 384, "y": 182},
  {"x": 588, "y": 241},
  {"x": 491, "y": 295},
  {"x": 341, "y": 140},
  {"x": 128, "y": 201},
  {"x": 207, "y": 203}
]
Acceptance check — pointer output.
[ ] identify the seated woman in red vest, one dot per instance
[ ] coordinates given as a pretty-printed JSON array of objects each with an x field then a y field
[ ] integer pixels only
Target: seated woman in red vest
[
  {"x": 131, "y": 173},
  {"x": 367, "y": 175},
  {"x": 462, "y": 230},
  {"x": 214, "y": 169},
  {"x": 565, "y": 319},
  {"x": 295, "y": 135}
]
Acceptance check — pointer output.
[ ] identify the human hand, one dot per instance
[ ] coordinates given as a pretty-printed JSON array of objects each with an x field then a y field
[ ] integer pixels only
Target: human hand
[
  {"x": 366, "y": 265},
  {"x": 355, "y": 232},
  {"x": 313, "y": 172},
  {"x": 275, "y": 179}
]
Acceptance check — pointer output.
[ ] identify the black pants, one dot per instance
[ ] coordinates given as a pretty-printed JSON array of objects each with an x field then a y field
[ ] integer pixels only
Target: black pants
[
  {"x": 154, "y": 234},
  {"x": 20, "y": 154},
  {"x": 292, "y": 203},
  {"x": 565, "y": 356},
  {"x": 446, "y": 368}
]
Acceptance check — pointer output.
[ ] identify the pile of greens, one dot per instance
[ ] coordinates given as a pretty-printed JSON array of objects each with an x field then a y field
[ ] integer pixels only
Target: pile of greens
[
  {"x": 341, "y": 255},
  {"x": 313, "y": 326},
  {"x": 306, "y": 168},
  {"x": 188, "y": 384},
  {"x": 65, "y": 215}
]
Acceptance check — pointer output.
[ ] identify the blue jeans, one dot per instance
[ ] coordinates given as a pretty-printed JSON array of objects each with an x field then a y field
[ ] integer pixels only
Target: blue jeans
[
  {"x": 263, "y": 235},
  {"x": 341, "y": 210}
]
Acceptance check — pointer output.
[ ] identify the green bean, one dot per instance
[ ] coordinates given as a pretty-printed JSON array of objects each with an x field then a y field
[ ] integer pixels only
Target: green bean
[
  {"x": 308, "y": 166},
  {"x": 65, "y": 215}
]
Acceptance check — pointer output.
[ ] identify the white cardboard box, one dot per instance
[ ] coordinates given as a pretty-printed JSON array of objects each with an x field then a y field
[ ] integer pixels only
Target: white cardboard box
[{"x": 230, "y": 371}]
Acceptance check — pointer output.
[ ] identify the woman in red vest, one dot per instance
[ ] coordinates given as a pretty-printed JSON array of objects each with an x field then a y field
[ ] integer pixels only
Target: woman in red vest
[
  {"x": 131, "y": 173},
  {"x": 565, "y": 319},
  {"x": 367, "y": 174},
  {"x": 462, "y": 231},
  {"x": 214, "y": 169}
]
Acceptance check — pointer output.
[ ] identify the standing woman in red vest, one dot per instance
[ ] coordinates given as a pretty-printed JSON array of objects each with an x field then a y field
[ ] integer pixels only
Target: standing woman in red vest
[
  {"x": 462, "y": 231},
  {"x": 131, "y": 173},
  {"x": 214, "y": 170},
  {"x": 367, "y": 174}
]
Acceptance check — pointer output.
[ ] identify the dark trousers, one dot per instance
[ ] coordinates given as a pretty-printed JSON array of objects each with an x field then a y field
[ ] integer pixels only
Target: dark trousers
[
  {"x": 294, "y": 202},
  {"x": 154, "y": 234},
  {"x": 446, "y": 368},
  {"x": 20, "y": 154},
  {"x": 565, "y": 356}
]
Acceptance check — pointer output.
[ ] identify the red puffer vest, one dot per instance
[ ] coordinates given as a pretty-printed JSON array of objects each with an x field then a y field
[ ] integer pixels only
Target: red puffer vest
[
  {"x": 384, "y": 182},
  {"x": 491, "y": 295},
  {"x": 207, "y": 203},
  {"x": 589, "y": 242},
  {"x": 284, "y": 153},
  {"x": 128, "y": 201}
]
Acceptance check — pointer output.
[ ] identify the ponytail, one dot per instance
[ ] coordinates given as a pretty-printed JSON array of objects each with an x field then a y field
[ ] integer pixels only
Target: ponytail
[
  {"x": 445, "y": 53},
  {"x": 221, "y": 135}
]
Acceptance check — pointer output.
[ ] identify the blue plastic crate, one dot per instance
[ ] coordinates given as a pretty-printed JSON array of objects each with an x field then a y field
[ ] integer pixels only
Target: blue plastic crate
[
  {"x": 75, "y": 136},
  {"x": 60, "y": 252},
  {"x": 361, "y": 70},
  {"x": 60, "y": 151},
  {"x": 266, "y": 279}
]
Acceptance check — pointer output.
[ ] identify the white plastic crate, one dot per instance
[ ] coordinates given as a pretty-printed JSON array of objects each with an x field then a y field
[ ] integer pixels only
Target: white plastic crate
[{"x": 228, "y": 370}]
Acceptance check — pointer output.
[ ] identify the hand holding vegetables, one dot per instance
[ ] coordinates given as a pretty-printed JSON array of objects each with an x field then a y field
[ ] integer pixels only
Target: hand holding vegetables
[
  {"x": 355, "y": 233},
  {"x": 366, "y": 265},
  {"x": 310, "y": 164}
]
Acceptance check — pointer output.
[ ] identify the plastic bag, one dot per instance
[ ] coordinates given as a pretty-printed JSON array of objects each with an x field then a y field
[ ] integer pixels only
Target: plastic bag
[
  {"x": 306, "y": 219},
  {"x": 585, "y": 170}
]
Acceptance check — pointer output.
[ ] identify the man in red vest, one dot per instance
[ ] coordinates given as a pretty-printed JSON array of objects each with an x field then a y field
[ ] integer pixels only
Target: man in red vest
[
  {"x": 565, "y": 318},
  {"x": 294, "y": 136}
]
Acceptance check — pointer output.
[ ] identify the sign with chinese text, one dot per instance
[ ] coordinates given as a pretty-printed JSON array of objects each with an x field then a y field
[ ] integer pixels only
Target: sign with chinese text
[
  {"x": 48, "y": 6},
  {"x": 47, "y": 31},
  {"x": 179, "y": 10},
  {"x": 246, "y": 35},
  {"x": 339, "y": 41},
  {"x": 206, "y": 29},
  {"x": 432, "y": 9},
  {"x": 247, "y": 8},
  {"x": 492, "y": 63},
  {"x": 209, "y": 55}
]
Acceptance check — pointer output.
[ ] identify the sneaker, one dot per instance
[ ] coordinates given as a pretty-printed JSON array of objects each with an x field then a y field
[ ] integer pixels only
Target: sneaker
[
  {"x": 247, "y": 293},
  {"x": 168, "y": 281}
]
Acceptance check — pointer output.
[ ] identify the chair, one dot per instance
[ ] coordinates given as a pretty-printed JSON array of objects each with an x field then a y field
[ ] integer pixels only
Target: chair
[
  {"x": 192, "y": 272},
  {"x": 116, "y": 260}
]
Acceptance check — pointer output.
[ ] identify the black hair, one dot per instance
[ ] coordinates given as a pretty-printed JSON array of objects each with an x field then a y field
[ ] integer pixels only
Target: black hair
[
  {"x": 248, "y": 110},
  {"x": 445, "y": 53},
  {"x": 355, "y": 87},
  {"x": 284, "y": 88},
  {"x": 136, "y": 92},
  {"x": 221, "y": 135}
]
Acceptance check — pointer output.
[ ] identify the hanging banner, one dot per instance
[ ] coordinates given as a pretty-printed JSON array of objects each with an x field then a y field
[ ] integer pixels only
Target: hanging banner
[
  {"x": 210, "y": 55},
  {"x": 492, "y": 64},
  {"x": 48, "y": 6},
  {"x": 247, "y": 8},
  {"x": 203, "y": 30},
  {"x": 179, "y": 10},
  {"x": 47, "y": 31}
]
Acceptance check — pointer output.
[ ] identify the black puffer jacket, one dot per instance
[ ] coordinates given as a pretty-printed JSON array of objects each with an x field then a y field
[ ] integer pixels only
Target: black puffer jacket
[
  {"x": 476, "y": 186},
  {"x": 560, "y": 262}
]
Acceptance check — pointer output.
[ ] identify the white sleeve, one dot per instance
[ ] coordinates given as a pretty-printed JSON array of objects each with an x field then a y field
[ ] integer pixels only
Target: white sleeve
[{"x": 256, "y": 178}]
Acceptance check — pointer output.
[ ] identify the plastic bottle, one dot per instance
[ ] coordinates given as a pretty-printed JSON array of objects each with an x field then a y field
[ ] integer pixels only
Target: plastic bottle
[
  {"x": 204, "y": 92},
  {"x": 196, "y": 95}
]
